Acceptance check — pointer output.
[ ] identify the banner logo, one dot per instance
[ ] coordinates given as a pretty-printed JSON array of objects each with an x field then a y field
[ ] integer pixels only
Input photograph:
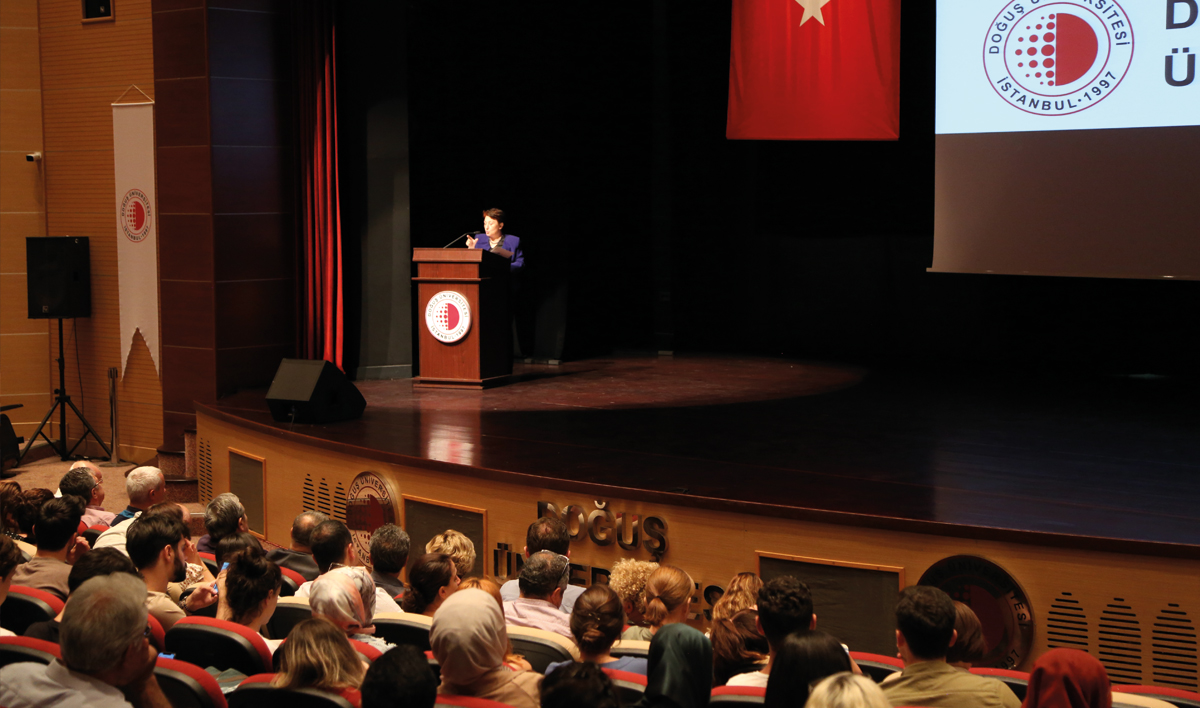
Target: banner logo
[
  {"x": 1058, "y": 58},
  {"x": 370, "y": 503},
  {"x": 448, "y": 316},
  {"x": 135, "y": 216}
]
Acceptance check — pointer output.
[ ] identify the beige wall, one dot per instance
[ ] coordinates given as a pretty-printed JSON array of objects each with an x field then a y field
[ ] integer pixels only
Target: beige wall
[{"x": 24, "y": 343}]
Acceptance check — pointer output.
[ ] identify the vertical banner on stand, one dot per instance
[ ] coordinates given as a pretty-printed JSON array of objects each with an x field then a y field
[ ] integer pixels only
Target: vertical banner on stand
[{"x": 137, "y": 226}]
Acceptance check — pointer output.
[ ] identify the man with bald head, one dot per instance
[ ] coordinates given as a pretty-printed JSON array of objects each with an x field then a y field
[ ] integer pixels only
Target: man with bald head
[{"x": 299, "y": 557}]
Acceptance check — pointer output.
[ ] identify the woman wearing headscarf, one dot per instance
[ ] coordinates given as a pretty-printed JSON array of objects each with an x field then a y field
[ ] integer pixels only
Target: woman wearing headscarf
[
  {"x": 1068, "y": 678},
  {"x": 469, "y": 641},
  {"x": 680, "y": 669},
  {"x": 346, "y": 597}
]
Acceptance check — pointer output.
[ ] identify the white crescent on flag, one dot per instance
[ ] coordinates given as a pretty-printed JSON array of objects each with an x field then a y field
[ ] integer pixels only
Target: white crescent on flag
[{"x": 812, "y": 8}]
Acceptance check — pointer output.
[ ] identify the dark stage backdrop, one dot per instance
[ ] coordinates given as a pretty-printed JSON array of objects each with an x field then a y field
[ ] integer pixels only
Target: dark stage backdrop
[{"x": 600, "y": 129}]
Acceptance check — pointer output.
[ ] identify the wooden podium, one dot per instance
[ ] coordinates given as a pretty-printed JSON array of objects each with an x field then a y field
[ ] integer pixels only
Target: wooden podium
[{"x": 464, "y": 328}]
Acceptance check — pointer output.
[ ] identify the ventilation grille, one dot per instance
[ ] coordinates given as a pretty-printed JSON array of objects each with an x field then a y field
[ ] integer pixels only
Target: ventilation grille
[
  {"x": 1121, "y": 643},
  {"x": 317, "y": 497},
  {"x": 1066, "y": 624},
  {"x": 1174, "y": 648},
  {"x": 204, "y": 469}
]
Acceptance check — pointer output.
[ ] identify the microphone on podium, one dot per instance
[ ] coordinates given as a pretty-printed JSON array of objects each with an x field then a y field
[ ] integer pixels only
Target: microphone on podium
[{"x": 477, "y": 233}]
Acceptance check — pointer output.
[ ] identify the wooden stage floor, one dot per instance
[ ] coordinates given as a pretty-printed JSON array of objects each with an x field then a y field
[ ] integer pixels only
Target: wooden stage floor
[{"x": 1092, "y": 458}]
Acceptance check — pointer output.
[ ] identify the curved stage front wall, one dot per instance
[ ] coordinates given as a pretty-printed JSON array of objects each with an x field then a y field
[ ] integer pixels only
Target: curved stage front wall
[{"x": 1129, "y": 605}]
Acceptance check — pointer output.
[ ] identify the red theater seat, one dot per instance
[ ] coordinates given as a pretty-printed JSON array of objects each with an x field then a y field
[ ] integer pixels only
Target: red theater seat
[
  {"x": 187, "y": 685},
  {"x": 25, "y": 606},
  {"x": 257, "y": 692},
  {"x": 737, "y": 696},
  {"x": 877, "y": 666},
  {"x": 291, "y": 582},
  {"x": 14, "y": 650},
  {"x": 205, "y": 642},
  {"x": 467, "y": 702},
  {"x": 1176, "y": 696},
  {"x": 629, "y": 685}
]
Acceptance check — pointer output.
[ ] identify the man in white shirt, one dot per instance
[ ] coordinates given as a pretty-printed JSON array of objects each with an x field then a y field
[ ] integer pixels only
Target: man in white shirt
[
  {"x": 83, "y": 483},
  {"x": 107, "y": 660},
  {"x": 543, "y": 580},
  {"x": 332, "y": 546}
]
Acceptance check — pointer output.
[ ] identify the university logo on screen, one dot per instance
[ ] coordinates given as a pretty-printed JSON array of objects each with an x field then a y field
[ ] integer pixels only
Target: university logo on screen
[{"x": 1058, "y": 58}]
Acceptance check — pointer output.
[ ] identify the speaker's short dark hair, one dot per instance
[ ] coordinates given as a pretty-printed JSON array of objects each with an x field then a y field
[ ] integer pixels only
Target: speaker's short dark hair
[
  {"x": 925, "y": 616},
  {"x": 401, "y": 677},
  {"x": 56, "y": 521},
  {"x": 329, "y": 541},
  {"x": 784, "y": 606},
  {"x": 548, "y": 534}
]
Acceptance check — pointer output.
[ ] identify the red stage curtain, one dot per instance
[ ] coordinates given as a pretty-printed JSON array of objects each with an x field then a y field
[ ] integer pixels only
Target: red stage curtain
[
  {"x": 319, "y": 211},
  {"x": 814, "y": 70}
]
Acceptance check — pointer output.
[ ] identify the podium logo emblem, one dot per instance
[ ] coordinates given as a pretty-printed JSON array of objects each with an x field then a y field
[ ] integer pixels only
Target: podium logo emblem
[{"x": 448, "y": 316}]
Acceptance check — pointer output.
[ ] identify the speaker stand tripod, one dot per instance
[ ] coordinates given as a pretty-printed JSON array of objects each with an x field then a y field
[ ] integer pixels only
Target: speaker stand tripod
[{"x": 61, "y": 401}]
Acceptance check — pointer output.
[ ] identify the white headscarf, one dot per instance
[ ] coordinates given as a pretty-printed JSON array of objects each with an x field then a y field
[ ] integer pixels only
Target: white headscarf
[
  {"x": 468, "y": 636},
  {"x": 345, "y": 596}
]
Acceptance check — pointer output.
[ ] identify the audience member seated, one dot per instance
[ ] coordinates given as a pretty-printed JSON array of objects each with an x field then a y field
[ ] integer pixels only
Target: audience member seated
[
  {"x": 332, "y": 546},
  {"x": 10, "y": 500},
  {"x": 10, "y": 558},
  {"x": 249, "y": 590},
  {"x": 738, "y": 646},
  {"x": 1068, "y": 678},
  {"x": 469, "y": 642},
  {"x": 318, "y": 655},
  {"x": 431, "y": 580},
  {"x": 596, "y": 623},
  {"x": 80, "y": 482},
  {"x": 543, "y": 581},
  {"x": 806, "y": 657},
  {"x": 579, "y": 686},
  {"x": 235, "y": 543},
  {"x": 742, "y": 594},
  {"x": 924, "y": 632},
  {"x": 223, "y": 515},
  {"x": 401, "y": 677},
  {"x": 94, "y": 563},
  {"x": 679, "y": 669},
  {"x": 970, "y": 646},
  {"x": 784, "y": 606},
  {"x": 107, "y": 660},
  {"x": 346, "y": 597},
  {"x": 28, "y": 508},
  {"x": 456, "y": 545},
  {"x": 847, "y": 690},
  {"x": 546, "y": 534},
  {"x": 514, "y": 661},
  {"x": 389, "y": 555},
  {"x": 58, "y": 546},
  {"x": 668, "y": 592},
  {"x": 628, "y": 578},
  {"x": 146, "y": 487},
  {"x": 299, "y": 557},
  {"x": 159, "y": 545}
]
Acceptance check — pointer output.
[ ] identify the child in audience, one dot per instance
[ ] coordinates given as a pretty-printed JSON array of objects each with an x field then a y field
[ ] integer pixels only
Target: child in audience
[
  {"x": 579, "y": 686},
  {"x": 596, "y": 622},
  {"x": 742, "y": 594},
  {"x": 456, "y": 545},
  {"x": 469, "y": 641},
  {"x": 804, "y": 658},
  {"x": 628, "y": 579},
  {"x": 679, "y": 668},
  {"x": 318, "y": 655},
  {"x": 970, "y": 647},
  {"x": 668, "y": 592},
  {"x": 249, "y": 590},
  {"x": 401, "y": 677},
  {"x": 1068, "y": 678},
  {"x": 844, "y": 690},
  {"x": 431, "y": 580},
  {"x": 346, "y": 597},
  {"x": 738, "y": 646},
  {"x": 511, "y": 659}
]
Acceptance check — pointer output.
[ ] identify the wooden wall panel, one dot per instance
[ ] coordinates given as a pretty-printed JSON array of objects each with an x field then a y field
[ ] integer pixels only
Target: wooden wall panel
[{"x": 85, "y": 68}]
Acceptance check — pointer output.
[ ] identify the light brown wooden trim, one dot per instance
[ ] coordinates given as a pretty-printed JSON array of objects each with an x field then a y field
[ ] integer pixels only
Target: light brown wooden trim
[{"x": 897, "y": 569}]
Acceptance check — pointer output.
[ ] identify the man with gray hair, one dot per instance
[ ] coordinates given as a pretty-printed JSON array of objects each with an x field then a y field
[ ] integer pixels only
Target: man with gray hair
[
  {"x": 543, "y": 581},
  {"x": 299, "y": 557},
  {"x": 223, "y": 516},
  {"x": 389, "y": 555},
  {"x": 146, "y": 487},
  {"x": 107, "y": 660},
  {"x": 82, "y": 483}
]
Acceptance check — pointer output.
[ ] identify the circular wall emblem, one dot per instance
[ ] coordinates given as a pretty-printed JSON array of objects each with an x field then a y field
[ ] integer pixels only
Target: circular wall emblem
[
  {"x": 996, "y": 598},
  {"x": 370, "y": 503},
  {"x": 135, "y": 215},
  {"x": 448, "y": 316},
  {"x": 1058, "y": 58}
]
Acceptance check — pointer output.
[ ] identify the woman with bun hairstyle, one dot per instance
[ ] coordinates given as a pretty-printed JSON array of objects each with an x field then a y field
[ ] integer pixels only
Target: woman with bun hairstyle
[
  {"x": 251, "y": 591},
  {"x": 668, "y": 592},
  {"x": 596, "y": 623},
  {"x": 431, "y": 580}
]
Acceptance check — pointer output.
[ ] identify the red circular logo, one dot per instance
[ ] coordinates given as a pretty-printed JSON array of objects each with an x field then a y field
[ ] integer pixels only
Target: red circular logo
[
  {"x": 135, "y": 217},
  {"x": 448, "y": 316}
]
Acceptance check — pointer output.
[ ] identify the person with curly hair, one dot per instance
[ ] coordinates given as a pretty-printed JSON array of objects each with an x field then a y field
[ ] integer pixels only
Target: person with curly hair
[
  {"x": 742, "y": 594},
  {"x": 596, "y": 624},
  {"x": 456, "y": 545},
  {"x": 628, "y": 579}
]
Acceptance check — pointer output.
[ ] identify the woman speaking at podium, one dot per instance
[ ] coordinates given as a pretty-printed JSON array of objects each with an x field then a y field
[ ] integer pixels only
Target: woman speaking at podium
[{"x": 497, "y": 241}]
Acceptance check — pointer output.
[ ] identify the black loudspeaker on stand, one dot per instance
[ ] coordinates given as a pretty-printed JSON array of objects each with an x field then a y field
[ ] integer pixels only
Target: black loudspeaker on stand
[
  {"x": 313, "y": 391},
  {"x": 59, "y": 286}
]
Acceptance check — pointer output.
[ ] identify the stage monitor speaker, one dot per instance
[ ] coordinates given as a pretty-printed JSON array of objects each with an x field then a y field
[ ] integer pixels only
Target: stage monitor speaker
[
  {"x": 313, "y": 391},
  {"x": 58, "y": 277}
]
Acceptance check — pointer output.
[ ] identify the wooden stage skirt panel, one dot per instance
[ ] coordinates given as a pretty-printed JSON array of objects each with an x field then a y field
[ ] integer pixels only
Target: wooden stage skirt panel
[{"x": 1132, "y": 604}]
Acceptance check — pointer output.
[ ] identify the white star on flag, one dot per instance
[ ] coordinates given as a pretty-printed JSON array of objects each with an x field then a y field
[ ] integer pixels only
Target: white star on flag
[{"x": 812, "y": 8}]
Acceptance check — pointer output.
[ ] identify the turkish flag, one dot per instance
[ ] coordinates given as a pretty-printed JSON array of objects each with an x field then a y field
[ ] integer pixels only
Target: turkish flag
[{"x": 814, "y": 70}]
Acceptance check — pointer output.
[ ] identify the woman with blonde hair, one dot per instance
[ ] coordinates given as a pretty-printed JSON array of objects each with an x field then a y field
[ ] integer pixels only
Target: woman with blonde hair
[
  {"x": 456, "y": 545},
  {"x": 847, "y": 690},
  {"x": 742, "y": 594},
  {"x": 668, "y": 592},
  {"x": 628, "y": 579},
  {"x": 318, "y": 655},
  {"x": 514, "y": 661}
]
